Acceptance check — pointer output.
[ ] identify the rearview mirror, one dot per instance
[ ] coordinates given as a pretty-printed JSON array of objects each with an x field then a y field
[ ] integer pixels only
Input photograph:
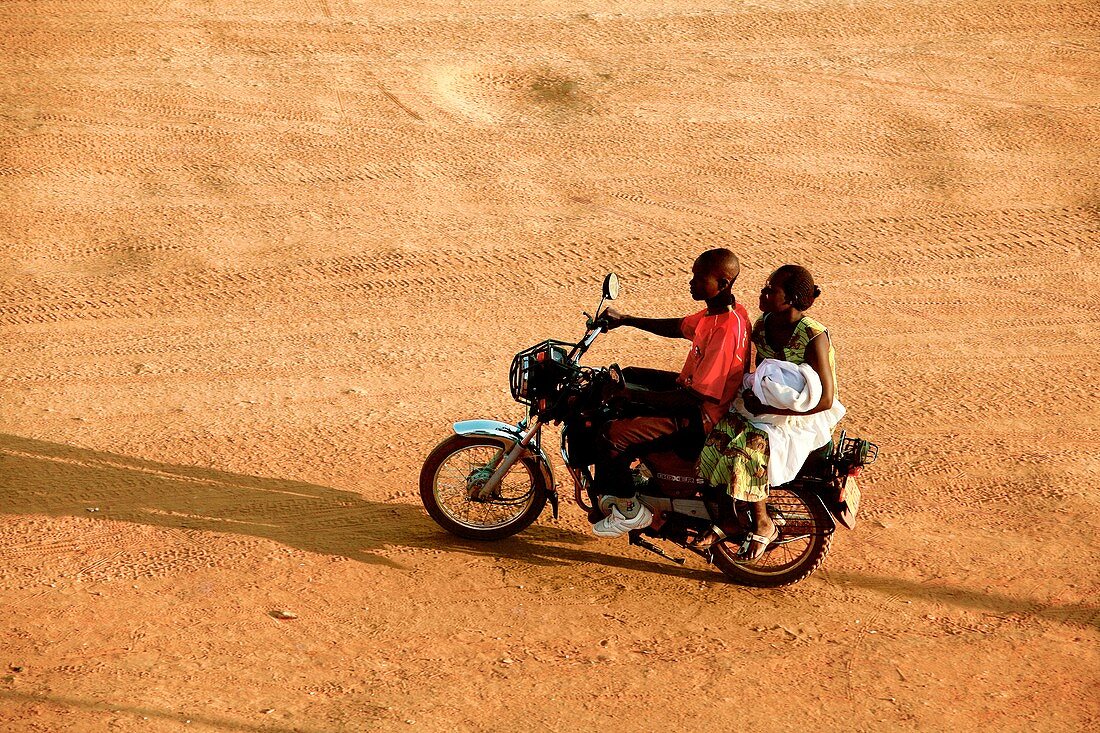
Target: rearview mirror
[{"x": 611, "y": 287}]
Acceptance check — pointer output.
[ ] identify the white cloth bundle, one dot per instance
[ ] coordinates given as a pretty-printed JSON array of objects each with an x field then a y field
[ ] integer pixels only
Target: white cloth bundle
[{"x": 791, "y": 438}]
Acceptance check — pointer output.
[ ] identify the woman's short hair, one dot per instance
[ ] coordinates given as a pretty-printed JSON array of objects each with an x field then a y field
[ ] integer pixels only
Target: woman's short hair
[{"x": 798, "y": 285}]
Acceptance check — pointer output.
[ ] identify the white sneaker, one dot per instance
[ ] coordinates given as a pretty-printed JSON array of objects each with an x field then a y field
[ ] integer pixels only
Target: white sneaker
[{"x": 616, "y": 523}]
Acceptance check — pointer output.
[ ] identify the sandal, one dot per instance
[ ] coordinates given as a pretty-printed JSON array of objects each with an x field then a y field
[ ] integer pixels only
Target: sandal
[
  {"x": 762, "y": 544},
  {"x": 710, "y": 539}
]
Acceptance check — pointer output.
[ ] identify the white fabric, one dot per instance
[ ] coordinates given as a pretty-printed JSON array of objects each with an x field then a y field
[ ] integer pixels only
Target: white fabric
[
  {"x": 786, "y": 385},
  {"x": 791, "y": 438}
]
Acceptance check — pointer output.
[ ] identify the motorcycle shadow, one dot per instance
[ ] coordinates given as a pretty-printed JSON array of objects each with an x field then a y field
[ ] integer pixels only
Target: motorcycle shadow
[
  {"x": 543, "y": 546},
  {"x": 40, "y": 477}
]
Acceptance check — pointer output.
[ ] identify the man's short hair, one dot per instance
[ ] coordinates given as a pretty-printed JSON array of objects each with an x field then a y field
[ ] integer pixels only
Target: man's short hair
[{"x": 721, "y": 260}]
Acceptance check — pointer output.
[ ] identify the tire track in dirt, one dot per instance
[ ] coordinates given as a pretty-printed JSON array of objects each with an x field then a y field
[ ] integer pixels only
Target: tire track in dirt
[
  {"x": 659, "y": 165},
  {"x": 996, "y": 238},
  {"x": 401, "y": 105}
]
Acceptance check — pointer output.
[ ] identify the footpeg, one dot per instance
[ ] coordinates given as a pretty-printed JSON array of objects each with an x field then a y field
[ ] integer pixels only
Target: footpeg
[{"x": 637, "y": 539}]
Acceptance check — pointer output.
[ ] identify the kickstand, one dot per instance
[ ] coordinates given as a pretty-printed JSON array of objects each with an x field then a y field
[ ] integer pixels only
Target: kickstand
[{"x": 637, "y": 539}]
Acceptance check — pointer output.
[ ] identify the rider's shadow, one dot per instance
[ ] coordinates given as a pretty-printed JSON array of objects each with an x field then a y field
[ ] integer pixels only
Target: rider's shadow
[{"x": 38, "y": 477}]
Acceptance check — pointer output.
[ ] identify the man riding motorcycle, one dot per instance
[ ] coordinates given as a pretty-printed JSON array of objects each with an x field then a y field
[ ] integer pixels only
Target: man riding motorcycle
[{"x": 670, "y": 411}]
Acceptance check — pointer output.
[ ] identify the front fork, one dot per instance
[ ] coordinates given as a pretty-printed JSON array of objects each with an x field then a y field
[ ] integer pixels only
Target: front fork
[
  {"x": 516, "y": 441},
  {"x": 504, "y": 460}
]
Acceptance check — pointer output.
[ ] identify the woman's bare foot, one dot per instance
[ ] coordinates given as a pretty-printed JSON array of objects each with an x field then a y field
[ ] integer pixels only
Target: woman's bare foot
[{"x": 765, "y": 533}]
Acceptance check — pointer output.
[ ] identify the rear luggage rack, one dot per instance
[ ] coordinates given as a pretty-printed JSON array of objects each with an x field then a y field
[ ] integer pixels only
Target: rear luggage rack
[{"x": 853, "y": 454}]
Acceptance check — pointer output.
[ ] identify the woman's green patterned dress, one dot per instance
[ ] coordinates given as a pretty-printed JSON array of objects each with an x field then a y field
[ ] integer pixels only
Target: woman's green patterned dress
[{"x": 736, "y": 451}]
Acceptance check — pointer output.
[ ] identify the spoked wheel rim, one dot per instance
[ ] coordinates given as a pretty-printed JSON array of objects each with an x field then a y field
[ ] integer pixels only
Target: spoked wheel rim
[
  {"x": 799, "y": 533},
  {"x": 469, "y": 465}
]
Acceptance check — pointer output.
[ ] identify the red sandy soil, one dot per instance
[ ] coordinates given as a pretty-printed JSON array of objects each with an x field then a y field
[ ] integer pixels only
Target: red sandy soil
[{"x": 258, "y": 256}]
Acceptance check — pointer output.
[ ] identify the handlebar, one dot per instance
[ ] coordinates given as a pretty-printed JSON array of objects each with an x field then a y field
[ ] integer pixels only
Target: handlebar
[
  {"x": 598, "y": 321},
  {"x": 595, "y": 326},
  {"x": 582, "y": 345}
]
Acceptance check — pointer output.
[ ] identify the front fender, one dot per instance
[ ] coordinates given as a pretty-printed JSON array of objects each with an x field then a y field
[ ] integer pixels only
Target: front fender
[
  {"x": 509, "y": 435},
  {"x": 489, "y": 428}
]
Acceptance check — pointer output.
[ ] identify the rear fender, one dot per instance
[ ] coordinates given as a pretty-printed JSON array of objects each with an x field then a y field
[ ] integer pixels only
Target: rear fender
[
  {"x": 828, "y": 493},
  {"x": 814, "y": 497},
  {"x": 509, "y": 435}
]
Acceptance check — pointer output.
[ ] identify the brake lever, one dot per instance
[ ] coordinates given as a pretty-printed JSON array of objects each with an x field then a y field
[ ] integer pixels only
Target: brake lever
[{"x": 595, "y": 322}]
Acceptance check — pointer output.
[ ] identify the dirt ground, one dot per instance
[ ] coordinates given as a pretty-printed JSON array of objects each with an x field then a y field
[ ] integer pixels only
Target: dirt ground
[{"x": 257, "y": 257}]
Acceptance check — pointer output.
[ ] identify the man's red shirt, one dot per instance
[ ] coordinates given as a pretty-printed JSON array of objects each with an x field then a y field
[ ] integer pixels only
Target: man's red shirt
[{"x": 716, "y": 363}]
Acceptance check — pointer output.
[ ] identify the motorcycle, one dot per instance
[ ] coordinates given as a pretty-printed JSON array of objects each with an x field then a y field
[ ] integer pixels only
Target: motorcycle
[{"x": 491, "y": 479}]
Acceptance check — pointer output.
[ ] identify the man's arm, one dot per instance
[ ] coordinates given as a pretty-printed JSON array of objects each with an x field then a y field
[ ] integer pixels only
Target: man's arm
[{"x": 667, "y": 327}]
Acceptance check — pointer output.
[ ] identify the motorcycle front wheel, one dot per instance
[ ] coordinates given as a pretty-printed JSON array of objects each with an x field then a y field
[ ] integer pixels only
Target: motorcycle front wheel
[
  {"x": 805, "y": 533},
  {"x": 461, "y": 462}
]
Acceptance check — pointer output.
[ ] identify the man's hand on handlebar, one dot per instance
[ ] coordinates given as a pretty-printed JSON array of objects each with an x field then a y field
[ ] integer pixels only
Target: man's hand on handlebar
[{"x": 612, "y": 318}]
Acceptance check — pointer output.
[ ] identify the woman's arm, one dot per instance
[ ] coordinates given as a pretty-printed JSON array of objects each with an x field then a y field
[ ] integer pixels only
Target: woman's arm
[{"x": 817, "y": 356}]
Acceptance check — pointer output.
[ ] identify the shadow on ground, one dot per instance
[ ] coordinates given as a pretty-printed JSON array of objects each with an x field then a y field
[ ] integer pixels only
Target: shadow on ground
[
  {"x": 1073, "y": 614},
  {"x": 38, "y": 477},
  {"x": 68, "y": 704}
]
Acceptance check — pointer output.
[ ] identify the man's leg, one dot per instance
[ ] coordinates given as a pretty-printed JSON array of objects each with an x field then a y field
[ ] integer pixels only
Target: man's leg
[
  {"x": 656, "y": 380},
  {"x": 629, "y": 439}
]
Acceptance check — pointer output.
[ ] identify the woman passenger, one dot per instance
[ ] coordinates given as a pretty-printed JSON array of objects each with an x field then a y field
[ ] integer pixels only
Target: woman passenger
[{"x": 736, "y": 452}]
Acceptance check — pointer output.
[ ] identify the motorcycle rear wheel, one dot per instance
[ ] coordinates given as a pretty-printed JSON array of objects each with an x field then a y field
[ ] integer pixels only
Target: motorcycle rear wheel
[
  {"x": 803, "y": 543},
  {"x": 447, "y": 473}
]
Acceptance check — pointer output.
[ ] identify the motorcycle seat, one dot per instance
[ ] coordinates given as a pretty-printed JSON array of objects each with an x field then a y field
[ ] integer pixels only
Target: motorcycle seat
[{"x": 677, "y": 474}]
